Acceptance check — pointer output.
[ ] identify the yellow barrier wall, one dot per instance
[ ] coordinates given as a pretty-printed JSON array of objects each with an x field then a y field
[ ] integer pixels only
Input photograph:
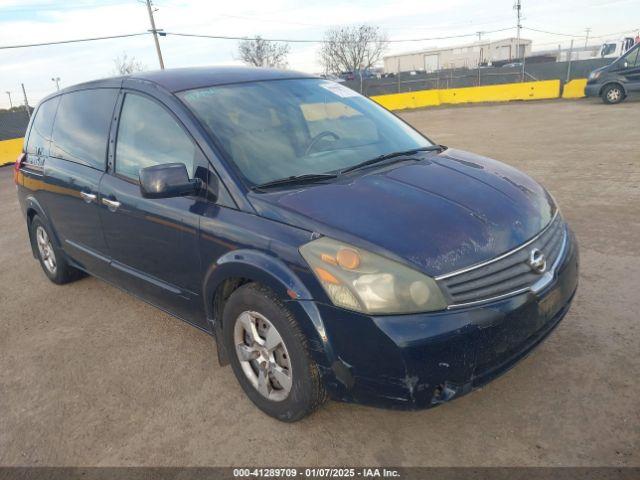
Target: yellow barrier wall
[
  {"x": 400, "y": 101},
  {"x": 574, "y": 88},
  {"x": 9, "y": 150},
  {"x": 490, "y": 93}
]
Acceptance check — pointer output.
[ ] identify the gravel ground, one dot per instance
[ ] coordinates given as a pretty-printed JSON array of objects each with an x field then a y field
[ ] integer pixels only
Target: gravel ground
[{"x": 91, "y": 376}]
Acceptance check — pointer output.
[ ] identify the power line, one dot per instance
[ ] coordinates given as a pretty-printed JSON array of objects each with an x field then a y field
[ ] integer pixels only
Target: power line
[
  {"x": 77, "y": 40},
  {"x": 223, "y": 37},
  {"x": 633, "y": 30},
  {"x": 299, "y": 40},
  {"x": 553, "y": 33},
  {"x": 581, "y": 36}
]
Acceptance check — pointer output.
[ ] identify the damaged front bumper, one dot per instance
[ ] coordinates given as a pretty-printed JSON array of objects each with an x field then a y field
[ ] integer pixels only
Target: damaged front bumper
[{"x": 419, "y": 361}]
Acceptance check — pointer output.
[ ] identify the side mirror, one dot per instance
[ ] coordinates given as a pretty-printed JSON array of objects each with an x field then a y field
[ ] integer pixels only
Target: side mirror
[{"x": 166, "y": 181}]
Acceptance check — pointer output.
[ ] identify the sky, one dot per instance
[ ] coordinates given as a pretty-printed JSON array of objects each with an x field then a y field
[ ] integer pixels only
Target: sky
[{"x": 33, "y": 21}]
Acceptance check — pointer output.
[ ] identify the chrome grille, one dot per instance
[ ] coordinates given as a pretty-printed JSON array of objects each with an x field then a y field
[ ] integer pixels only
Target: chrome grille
[{"x": 506, "y": 275}]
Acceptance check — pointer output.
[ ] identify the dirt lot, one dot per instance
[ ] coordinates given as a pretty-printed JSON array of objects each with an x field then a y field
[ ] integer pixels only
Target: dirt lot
[{"x": 91, "y": 376}]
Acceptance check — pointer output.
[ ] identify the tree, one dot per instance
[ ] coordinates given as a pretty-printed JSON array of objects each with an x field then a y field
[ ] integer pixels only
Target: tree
[
  {"x": 352, "y": 48},
  {"x": 126, "y": 66},
  {"x": 263, "y": 53}
]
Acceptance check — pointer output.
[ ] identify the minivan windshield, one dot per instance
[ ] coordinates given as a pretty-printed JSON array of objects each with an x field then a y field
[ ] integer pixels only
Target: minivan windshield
[{"x": 278, "y": 129}]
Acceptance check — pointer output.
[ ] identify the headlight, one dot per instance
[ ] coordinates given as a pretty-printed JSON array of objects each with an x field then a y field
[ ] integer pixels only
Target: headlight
[
  {"x": 365, "y": 282},
  {"x": 594, "y": 75}
]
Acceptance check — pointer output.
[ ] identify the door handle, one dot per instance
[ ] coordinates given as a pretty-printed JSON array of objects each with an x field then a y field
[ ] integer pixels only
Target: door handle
[
  {"x": 112, "y": 205},
  {"x": 88, "y": 197}
]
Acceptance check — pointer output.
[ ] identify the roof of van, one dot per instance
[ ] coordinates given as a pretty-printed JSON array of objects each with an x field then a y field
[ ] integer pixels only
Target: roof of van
[{"x": 178, "y": 79}]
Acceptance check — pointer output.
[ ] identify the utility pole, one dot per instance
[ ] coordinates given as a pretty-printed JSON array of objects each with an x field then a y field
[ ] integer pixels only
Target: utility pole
[
  {"x": 479, "y": 55},
  {"x": 155, "y": 34},
  {"x": 569, "y": 64},
  {"x": 518, "y": 9},
  {"x": 56, "y": 80},
  {"x": 26, "y": 102},
  {"x": 10, "y": 102},
  {"x": 586, "y": 38}
]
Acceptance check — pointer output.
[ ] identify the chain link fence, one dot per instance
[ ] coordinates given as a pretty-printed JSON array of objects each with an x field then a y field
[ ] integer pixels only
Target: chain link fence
[
  {"x": 465, "y": 77},
  {"x": 13, "y": 123}
]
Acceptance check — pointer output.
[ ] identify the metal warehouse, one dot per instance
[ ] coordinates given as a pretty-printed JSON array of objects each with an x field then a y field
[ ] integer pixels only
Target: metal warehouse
[{"x": 470, "y": 55}]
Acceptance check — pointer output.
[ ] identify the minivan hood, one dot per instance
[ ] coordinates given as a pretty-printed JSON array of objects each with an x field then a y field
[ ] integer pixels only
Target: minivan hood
[{"x": 445, "y": 212}]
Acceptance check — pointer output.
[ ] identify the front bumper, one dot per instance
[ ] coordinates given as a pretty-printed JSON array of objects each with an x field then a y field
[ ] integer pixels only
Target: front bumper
[
  {"x": 592, "y": 90},
  {"x": 419, "y": 361}
]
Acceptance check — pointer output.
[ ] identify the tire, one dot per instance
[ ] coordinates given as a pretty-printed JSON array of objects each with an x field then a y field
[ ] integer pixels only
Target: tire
[
  {"x": 267, "y": 360},
  {"x": 612, "y": 94},
  {"x": 52, "y": 259}
]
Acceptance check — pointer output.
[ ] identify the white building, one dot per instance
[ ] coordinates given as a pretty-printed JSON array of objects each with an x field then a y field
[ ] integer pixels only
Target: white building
[{"x": 470, "y": 56}]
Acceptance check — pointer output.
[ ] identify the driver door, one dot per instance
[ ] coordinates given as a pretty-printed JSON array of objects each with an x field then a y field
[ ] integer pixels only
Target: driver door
[{"x": 153, "y": 242}]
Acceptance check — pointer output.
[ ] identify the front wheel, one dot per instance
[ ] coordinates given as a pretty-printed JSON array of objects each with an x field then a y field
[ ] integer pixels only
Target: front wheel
[
  {"x": 269, "y": 354},
  {"x": 612, "y": 94}
]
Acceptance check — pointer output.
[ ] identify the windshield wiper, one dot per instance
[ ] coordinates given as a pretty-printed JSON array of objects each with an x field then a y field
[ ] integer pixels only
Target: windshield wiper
[
  {"x": 296, "y": 179},
  {"x": 315, "y": 177},
  {"x": 388, "y": 156}
]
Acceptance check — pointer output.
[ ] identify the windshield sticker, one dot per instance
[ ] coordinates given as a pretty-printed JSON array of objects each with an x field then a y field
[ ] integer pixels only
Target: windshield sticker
[{"x": 338, "y": 89}]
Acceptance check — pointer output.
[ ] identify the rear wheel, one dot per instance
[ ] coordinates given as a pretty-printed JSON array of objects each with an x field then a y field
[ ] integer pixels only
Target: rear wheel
[
  {"x": 269, "y": 354},
  {"x": 52, "y": 259},
  {"x": 612, "y": 94}
]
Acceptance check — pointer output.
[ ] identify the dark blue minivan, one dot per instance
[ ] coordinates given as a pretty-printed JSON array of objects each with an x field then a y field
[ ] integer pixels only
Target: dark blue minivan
[{"x": 331, "y": 250}]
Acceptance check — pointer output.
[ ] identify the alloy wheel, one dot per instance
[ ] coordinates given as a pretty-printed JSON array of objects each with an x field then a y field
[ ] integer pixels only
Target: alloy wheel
[
  {"x": 614, "y": 95},
  {"x": 46, "y": 250},
  {"x": 263, "y": 355}
]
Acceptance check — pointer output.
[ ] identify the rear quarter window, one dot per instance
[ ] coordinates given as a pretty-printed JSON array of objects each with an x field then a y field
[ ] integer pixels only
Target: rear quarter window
[
  {"x": 40, "y": 134},
  {"x": 81, "y": 129}
]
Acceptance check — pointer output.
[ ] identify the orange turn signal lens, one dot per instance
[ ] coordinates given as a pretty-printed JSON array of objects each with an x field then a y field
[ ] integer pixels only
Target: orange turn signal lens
[
  {"x": 348, "y": 258},
  {"x": 325, "y": 276}
]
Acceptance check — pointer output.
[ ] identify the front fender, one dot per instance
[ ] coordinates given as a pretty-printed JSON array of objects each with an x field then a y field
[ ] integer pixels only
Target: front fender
[
  {"x": 273, "y": 273},
  {"x": 258, "y": 267}
]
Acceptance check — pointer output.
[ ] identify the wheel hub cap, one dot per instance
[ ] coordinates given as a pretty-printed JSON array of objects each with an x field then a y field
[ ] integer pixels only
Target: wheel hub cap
[
  {"x": 263, "y": 355},
  {"x": 46, "y": 250}
]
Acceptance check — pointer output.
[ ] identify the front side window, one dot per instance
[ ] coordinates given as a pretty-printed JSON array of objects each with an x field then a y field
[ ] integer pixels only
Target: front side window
[
  {"x": 82, "y": 126},
  {"x": 149, "y": 135},
  {"x": 40, "y": 134},
  {"x": 281, "y": 128},
  {"x": 631, "y": 58}
]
